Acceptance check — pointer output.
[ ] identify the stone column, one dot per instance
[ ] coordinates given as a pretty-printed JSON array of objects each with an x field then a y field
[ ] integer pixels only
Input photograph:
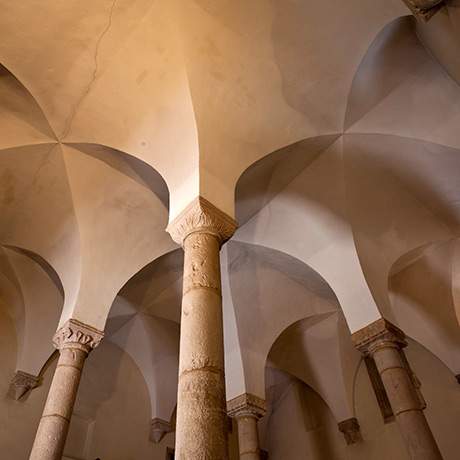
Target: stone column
[
  {"x": 201, "y": 426},
  {"x": 384, "y": 342},
  {"x": 247, "y": 409},
  {"x": 74, "y": 341}
]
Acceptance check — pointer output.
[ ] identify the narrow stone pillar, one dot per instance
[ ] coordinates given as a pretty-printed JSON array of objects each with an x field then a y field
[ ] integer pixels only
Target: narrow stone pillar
[
  {"x": 247, "y": 409},
  {"x": 201, "y": 426},
  {"x": 74, "y": 340},
  {"x": 384, "y": 342}
]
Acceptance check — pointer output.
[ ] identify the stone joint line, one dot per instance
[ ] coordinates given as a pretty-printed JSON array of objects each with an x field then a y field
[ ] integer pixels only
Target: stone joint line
[{"x": 212, "y": 369}]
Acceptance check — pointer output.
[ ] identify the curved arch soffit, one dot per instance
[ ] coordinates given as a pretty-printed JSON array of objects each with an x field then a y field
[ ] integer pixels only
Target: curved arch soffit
[
  {"x": 35, "y": 115},
  {"x": 411, "y": 259}
]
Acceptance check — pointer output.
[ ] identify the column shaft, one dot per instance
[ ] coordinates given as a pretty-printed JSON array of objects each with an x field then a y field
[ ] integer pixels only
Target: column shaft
[
  {"x": 248, "y": 438},
  {"x": 74, "y": 340},
  {"x": 247, "y": 409},
  {"x": 54, "y": 424},
  {"x": 201, "y": 430},
  {"x": 406, "y": 404},
  {"x": 201, "y": 419}
]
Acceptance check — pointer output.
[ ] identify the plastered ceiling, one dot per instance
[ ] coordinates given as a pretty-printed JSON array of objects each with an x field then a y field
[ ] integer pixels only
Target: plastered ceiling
[{"x": 329, "y": 129}]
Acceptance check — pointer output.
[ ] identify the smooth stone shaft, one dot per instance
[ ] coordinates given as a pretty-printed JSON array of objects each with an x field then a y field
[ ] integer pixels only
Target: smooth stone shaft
[
  {"x": 54, "y": 424},
  {"x": 248, "y": 438},
  {"x": 201, "y": 429},
  {"x": 406, "y": 405}
]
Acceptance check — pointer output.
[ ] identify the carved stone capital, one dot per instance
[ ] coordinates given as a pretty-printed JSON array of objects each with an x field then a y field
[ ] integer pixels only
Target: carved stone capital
[
  {"x": 74, "y": 334},
  {"x": 351, "y": 430},
  {"x": 158, "y": 429},
  {"x": 424, "y": 9},
  {"x": 201, "y": 216},
  {"x": 380, "y": 333},
  {"x": 246, "y": 405},
  {"x": 22, "y": 383}
]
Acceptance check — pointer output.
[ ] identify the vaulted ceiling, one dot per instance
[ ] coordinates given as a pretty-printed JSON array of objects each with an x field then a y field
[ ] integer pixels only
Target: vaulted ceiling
[{"x": 329, "y": 129}]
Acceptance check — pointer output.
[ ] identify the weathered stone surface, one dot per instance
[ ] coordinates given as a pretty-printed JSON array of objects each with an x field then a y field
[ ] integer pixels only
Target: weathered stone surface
[
  {"x": 384, "y": 342},
  {"x": 76, "y": 334},
  {"x": 158, "y": 429},
  {"x": 424, "y": 9},
  {"x": 246, "y": 404},
  {"x": 201, "y": 427},
  {"x": 377, "y": 334},
  {"x": 74, "y": 341},
  {"x": 21, "y": 384},
  {"x": 203, "y": 217},
  {"x": 351, "y": 430},
  {"x": 247, "y": 409}
]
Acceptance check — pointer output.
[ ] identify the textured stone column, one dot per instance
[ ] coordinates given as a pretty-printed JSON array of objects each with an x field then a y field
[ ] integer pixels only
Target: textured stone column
[
  {"x": 74, "y": 341},
  {"x": 201, "y": 426},
  {"x": 384, "y": 342},
  {"x": 247, "y": 409}
]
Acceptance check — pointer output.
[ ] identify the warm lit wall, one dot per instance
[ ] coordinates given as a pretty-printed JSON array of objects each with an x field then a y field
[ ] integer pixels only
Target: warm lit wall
[{"x": 114, "y": 394}]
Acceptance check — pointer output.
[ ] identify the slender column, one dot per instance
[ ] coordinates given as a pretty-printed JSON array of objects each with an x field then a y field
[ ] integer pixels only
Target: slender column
[
  {"x": 74, "y": 341},
  {"x": 384, "y": 342},
  {"x": 247, "y": 409},
  {"x": 201, "y": 426}
]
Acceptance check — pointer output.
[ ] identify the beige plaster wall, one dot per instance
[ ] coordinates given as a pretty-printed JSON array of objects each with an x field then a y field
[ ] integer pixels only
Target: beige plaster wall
[{"x": 115, "y": 394}]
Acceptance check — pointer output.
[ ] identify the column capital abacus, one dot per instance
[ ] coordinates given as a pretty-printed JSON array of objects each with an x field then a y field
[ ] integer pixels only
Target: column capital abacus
[
  {"x": 75, "y": 334},
  {"x": 159, "y": 428},
  {"x": 246, "y": 405},
  {"x": 201, "y": 216},
  {"x": 379, "y": 334}
]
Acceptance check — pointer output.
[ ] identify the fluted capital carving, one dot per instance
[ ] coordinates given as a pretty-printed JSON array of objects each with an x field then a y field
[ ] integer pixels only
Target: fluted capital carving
[
  {"x": 380, "y": 333},
  {"x": 246, "y": 405},
  {"x": 424, "y": 9},
  {"x": 74, "y": 334},
  {"x": 21, "y": 383},
  {"x": 202, "y": 216}
]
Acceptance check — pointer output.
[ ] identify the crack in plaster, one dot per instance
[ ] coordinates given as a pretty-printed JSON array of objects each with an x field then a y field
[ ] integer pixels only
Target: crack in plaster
[{"x": 85, "y": 93}]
